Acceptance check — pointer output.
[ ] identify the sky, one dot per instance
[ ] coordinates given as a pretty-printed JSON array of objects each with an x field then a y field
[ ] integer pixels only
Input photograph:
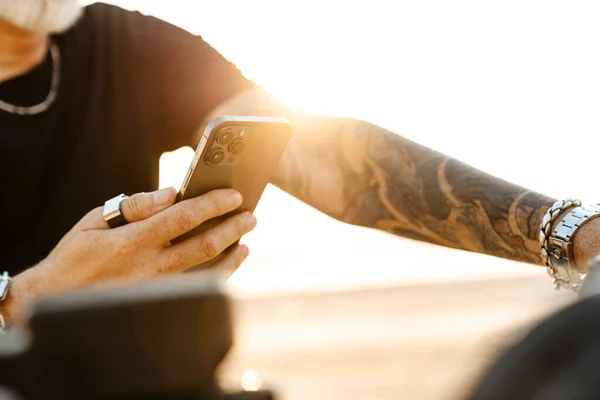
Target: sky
[{"x": 510, "y": 87}]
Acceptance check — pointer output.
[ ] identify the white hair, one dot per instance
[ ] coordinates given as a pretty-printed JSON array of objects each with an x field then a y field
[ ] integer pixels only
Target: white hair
[{"x": 41, "y": 16}]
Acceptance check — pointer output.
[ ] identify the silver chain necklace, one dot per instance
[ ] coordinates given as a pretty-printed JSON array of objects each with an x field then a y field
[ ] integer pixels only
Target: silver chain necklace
[{"x": 54, "y": 84}]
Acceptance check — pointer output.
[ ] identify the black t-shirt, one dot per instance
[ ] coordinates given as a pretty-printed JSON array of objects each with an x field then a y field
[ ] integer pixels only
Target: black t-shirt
[{"x": 132, "y": 87}]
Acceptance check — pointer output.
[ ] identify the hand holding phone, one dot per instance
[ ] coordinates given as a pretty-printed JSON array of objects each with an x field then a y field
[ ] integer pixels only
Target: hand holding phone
[{"x": 235, "y": 152}]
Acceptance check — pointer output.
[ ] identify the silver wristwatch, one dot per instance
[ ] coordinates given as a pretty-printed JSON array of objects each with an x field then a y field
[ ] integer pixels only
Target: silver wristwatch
[
  {"x": 4, "y": 286},
  {"x": 557, "y": 245}
]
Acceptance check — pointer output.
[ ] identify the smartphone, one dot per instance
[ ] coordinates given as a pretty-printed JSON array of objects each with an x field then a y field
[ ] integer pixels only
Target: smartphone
[{"x": 236, "y": 152}]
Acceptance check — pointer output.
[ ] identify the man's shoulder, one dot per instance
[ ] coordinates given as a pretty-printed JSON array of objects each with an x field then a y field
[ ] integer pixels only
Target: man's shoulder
[
  {"x": 112, "y": 18},
  {"x": 109, "y": 11},
  {"x": 102, "y": 13}
]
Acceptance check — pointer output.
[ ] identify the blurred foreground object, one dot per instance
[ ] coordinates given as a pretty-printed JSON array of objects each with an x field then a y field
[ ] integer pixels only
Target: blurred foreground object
[
  {"x": 160, "y": 340},
  {"x": 558, "y": 359},
  {"x": 591, "y": 283}
]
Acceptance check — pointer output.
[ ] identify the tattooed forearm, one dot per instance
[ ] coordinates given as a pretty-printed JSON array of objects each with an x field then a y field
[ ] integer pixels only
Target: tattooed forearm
[
  {"x": 365, "y": 175},
  {"x": 390, "y": 183}
]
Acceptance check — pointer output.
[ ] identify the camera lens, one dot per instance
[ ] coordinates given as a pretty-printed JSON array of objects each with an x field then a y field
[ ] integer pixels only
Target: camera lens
[
  {"x": 237, "y": 147},
  {"x": 225, "y": 137},
  {"x": 216, "y": 156}
]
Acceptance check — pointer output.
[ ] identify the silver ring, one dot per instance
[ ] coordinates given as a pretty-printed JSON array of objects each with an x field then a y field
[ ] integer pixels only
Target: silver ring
[{"x": 112, "y": 211}]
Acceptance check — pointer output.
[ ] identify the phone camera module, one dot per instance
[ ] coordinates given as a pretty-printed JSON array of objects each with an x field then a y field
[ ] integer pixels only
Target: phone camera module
[
  {"x": 225, "y": 137},
  {"x": 216, "y": 156},
  {"x": 236, "y": 147}
]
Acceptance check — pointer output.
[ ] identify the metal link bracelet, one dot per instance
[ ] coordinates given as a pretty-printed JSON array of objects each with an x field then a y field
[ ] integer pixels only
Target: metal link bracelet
[
  {"x": 545, "y": 232},
  {"x": 4, "y": 287},
  {"x": 556, "y": 240}
]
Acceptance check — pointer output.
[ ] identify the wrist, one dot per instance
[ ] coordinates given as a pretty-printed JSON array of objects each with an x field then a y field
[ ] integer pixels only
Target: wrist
[
  {"x": 23, "y": 290},
  {"x": 561, "y": 224},
  {"x": 586, "y": 244},
  {"x": 10, "y": 308}
]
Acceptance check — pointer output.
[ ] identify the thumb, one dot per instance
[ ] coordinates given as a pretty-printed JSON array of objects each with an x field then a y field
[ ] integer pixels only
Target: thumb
[
  {"x": 141, "y": 206},
  {"x": 134, "y": 208}
]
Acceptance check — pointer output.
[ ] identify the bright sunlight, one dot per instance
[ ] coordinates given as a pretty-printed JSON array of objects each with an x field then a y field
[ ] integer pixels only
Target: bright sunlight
[{"x": 498, "y": 90}]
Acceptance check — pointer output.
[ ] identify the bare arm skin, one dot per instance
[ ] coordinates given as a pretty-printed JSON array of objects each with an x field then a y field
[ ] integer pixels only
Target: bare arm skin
[
  {"x": 365, "y": 175},
  {"x": 92, "y": 254}
]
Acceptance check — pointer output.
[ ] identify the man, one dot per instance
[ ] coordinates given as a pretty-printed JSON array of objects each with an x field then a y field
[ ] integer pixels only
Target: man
[{"x": 89, "y": 100}]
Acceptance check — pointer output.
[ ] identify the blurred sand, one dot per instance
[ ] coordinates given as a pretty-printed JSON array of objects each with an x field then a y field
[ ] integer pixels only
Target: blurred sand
[{"x": 411, "y": 342}]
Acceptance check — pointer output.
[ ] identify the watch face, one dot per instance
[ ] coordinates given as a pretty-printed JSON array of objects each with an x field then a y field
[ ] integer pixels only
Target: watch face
[{"x": 4, "y": 284}]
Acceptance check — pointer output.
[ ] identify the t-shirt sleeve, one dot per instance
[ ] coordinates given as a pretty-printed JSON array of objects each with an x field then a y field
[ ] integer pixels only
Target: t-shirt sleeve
[{"x": 184, "y": 79}]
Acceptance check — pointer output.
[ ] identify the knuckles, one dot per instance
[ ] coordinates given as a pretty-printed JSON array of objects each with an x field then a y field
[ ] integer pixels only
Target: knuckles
[
  {"x": 184, "y": 219},
  {"x": 136, "y": 209},
  {"x": 177, "y": 262},
  {"x": 208, "y": 247}
]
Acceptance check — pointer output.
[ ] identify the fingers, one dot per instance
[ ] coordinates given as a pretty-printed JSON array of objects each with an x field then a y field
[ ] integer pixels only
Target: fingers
[
  {"x": 209, "y": 244},
  {"x": 144, "y": 205},
  {"x": 233, "y": 259},
  {"x": 187, "y": 215},
  {"x": 135, "y": 208}
]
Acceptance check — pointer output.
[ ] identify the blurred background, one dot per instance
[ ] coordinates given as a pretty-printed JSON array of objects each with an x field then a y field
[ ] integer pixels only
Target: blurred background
[{"x": 330, "y": 311}]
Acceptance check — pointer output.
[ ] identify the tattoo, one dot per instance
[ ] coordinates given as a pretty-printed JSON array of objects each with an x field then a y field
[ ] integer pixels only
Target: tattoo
[
  {"x": 388, "y": 182},
  {"x": 365, "y": 175}
]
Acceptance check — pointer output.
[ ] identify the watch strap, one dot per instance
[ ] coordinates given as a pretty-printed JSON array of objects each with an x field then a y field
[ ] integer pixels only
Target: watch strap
[
  {"x": 4, "y": 285},
  {"x": 560, "y": 245}
]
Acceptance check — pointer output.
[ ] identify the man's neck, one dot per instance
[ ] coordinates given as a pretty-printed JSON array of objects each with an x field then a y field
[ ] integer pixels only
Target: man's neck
[{"x": 20, "y": 51}]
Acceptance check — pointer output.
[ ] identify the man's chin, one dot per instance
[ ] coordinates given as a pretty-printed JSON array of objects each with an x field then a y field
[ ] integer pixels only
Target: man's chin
[{"x": 41, "y": 16}]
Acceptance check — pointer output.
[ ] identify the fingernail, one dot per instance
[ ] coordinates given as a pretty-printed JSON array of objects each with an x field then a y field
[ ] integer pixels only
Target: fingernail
[
  {"x": 235, "y": 197},
  {"x": 251, "y": 221},
  {"x": 244, "y": 251},
  {"x": 162, "y": 196}
]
